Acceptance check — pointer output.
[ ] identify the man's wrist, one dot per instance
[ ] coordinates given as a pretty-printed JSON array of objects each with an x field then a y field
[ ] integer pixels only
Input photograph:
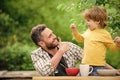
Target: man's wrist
[{"x": 61, "y": 52}]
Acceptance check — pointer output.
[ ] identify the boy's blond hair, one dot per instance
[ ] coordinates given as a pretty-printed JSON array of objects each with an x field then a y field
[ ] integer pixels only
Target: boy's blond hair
[{"x": 97, "y": 13}]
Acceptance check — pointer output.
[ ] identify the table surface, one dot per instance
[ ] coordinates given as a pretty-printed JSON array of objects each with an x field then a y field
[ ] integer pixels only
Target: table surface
[
  {"x": 78, "y": 78},
  {"x": 18, "y": 75},
  {"x": 35, "y": 76}
]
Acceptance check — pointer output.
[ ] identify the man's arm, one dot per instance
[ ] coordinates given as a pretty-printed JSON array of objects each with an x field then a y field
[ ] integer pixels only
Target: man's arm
[
  {"x": 63, "y": 47},
  {"x": 45, "y": 65},
  {"x": 42, "y": 63}
]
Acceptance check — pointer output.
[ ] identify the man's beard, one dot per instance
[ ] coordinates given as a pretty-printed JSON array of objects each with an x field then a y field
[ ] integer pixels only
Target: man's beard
[{"x": 51, "y": 46}]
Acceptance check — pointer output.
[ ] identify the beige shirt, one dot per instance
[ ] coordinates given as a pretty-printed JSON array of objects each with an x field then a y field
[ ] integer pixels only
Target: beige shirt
[{"x": 41, "y": 59}]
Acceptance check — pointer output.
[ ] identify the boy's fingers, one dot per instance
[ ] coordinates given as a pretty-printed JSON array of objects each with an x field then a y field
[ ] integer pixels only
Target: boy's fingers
[{"x": 116, "y": 39}]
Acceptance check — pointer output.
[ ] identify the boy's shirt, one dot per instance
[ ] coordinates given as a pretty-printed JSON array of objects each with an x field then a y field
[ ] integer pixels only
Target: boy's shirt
[{"x": 95, "y": 44}]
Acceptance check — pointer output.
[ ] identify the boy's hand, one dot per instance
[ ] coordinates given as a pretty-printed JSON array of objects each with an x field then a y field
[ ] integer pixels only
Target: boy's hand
[
  {"x": 72, "y": 26},
  {"x": 117, "y": 41},
  {"x": 118, "y": 73}
]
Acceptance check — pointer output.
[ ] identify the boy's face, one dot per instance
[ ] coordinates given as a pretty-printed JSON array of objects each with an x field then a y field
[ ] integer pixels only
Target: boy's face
[{"x": 92, "y": 24}]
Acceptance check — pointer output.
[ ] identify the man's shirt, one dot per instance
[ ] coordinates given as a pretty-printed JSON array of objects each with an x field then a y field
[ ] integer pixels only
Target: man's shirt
[{"x": 41, "y": 59}]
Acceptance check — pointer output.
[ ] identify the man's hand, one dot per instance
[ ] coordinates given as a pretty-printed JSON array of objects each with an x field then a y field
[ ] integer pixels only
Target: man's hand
[{"x": 63, "y": 47}]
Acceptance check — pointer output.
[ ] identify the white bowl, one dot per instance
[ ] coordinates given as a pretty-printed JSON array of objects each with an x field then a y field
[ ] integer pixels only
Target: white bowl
[{"x": 107, "y": 72}]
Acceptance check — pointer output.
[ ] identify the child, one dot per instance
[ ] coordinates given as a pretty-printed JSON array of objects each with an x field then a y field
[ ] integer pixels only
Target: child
[{"x": 96, "y": 39}]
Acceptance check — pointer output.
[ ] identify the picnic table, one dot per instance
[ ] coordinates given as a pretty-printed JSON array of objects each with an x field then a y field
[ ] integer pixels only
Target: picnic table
[
  {"x": 78, "y": 78},
  {"x": 33, "y": 75},
  {"x": 18, "y": 75}
]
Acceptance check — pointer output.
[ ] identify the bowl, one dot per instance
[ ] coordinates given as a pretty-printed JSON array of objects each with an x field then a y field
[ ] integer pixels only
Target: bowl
[
  {"x": 72, "y": 71},
  {"x": 107, "y": 72}
]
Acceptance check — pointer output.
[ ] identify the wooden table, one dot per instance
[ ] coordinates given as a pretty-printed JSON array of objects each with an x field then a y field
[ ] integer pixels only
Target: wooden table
[
  {"x": 33, "y": 75},
  {"x": 78, "y": 78},
  {"x": 18, "y": 75}
]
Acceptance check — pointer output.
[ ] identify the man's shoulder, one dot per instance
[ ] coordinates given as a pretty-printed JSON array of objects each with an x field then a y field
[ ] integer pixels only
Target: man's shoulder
[
  {"x": 73, "y": 44},
  {"x": 36, "y": 51},
  {"x": 69, "y": 42}
]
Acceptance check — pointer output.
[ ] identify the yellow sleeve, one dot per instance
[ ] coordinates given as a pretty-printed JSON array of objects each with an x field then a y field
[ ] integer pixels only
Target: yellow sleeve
[
  {"x": 118, "y": 44},
  {"x": 78, "y": 37},
  {"x": 110, "y": 43},
  {"x": 112, "y": 47}
]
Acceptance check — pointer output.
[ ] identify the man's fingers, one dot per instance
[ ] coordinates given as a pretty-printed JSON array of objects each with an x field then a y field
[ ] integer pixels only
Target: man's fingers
[{"x": 59, "y": 39}]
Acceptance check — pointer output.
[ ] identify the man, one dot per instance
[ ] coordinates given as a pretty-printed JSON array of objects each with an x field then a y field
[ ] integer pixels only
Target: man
[{"x": 51, "y": 56}]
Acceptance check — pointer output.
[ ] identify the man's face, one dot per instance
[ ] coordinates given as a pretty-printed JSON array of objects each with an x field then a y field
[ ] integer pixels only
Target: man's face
[{"x": 49, "y": 39}]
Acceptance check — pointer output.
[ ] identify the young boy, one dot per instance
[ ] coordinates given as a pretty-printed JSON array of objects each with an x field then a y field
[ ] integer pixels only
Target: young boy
[{"x": 96, "y": 39}]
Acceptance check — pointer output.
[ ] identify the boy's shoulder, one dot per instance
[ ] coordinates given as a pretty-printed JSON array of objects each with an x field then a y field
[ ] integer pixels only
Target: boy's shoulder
[
  {"x": 104, "y": 31},
  {"x": 107, "y": 32}
]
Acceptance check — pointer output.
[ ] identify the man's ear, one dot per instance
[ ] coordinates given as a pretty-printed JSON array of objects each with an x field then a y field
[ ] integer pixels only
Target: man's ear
[{"x": 41, "y": 43}]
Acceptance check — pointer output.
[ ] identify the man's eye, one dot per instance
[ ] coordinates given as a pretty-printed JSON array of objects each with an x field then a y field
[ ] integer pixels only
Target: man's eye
[{"x": 50, "y": 36}]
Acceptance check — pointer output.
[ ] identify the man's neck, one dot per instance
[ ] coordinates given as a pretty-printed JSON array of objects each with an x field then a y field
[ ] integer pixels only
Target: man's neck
[{"x": 52, "y": 51}]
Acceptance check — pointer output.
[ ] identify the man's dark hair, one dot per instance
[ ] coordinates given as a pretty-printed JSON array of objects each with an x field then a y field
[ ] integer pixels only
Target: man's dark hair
[{"x": 36, "y": 33}]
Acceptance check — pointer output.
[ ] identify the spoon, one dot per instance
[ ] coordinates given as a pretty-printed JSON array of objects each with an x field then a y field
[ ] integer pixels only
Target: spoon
[{"x": 63, "y": 65}]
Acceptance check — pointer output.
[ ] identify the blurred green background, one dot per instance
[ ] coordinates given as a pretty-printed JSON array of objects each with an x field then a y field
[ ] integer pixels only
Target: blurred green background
[{"x": 17, "y": 17}]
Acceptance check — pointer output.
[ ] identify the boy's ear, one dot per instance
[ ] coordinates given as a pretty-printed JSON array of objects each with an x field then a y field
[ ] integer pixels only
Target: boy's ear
[{"x": 98, "y": 22}]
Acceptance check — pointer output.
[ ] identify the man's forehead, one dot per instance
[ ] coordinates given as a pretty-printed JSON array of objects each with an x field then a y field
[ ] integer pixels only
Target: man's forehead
[
  {"x": 47, "y": 29},
  {"x": 46, "y": 32}
]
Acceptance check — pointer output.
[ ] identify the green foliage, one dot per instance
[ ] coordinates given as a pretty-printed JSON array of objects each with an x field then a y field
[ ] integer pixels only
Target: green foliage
[
  {"x": 113, "y": 59},
  {"x": 7, "y": 27},
  {"x": 16, "y": 57},
  {"x": 114, "y": 9}
]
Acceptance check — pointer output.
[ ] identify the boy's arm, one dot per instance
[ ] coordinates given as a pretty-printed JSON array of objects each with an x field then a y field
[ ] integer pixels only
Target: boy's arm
[
  {"x": 109, "y": 42},
  {"x": 76, "y": 33},
  {"x": 110, "y": 67},
  {"x": 78, "y": 37}
]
